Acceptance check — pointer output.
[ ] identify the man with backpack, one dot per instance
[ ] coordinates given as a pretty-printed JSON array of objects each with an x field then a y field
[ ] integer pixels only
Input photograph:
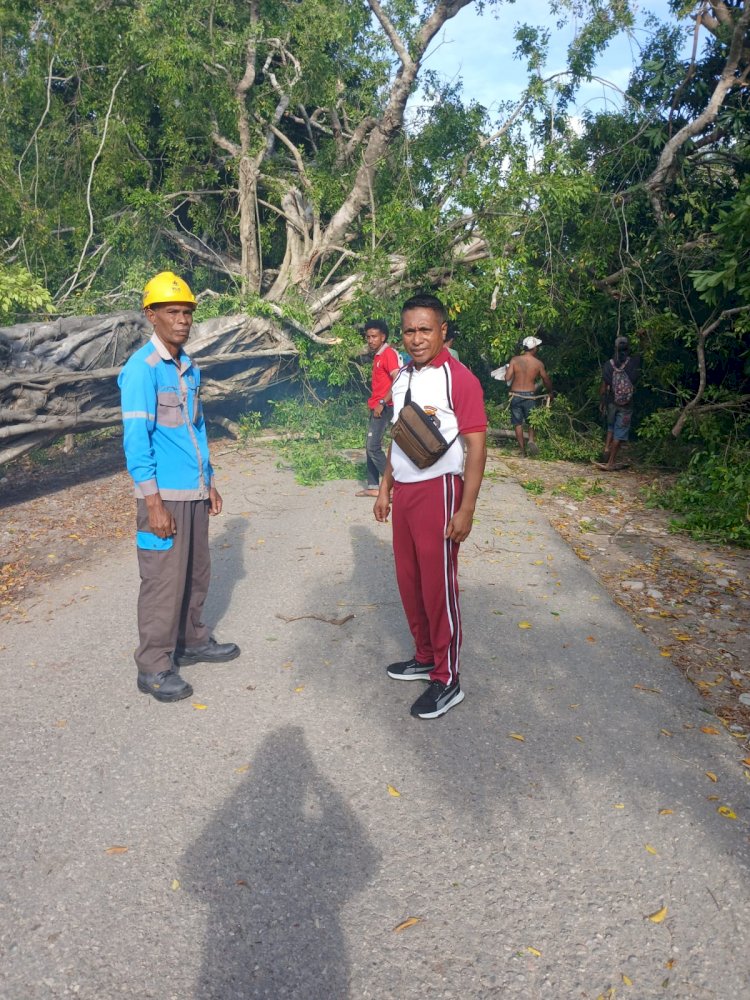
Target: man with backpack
[{"x": 619, "y": 377}]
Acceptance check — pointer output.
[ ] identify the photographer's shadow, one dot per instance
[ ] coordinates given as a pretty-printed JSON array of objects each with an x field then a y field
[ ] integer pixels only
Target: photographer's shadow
[{"x": 275, "y": 868}]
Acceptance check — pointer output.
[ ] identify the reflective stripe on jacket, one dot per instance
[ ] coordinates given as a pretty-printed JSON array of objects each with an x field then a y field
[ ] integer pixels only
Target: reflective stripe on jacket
[{"x": 164, "y": 433}]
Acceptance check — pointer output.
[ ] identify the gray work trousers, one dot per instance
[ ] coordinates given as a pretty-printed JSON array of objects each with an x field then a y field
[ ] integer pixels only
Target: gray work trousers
[
  {"x": 376, "y": 457},
  {"x": 174, "y": 584}
]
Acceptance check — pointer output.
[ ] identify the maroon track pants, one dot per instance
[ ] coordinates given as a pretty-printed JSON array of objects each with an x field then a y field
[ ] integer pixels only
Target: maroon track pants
[
  {"x": 427, "y": 570},
  {"x": 174, "y": 584}
]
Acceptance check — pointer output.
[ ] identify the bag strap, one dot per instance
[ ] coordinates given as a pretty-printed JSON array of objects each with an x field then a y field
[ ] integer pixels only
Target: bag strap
[
  {"x": 407, "y": 400},
  {"x": 407, "y": 397}
]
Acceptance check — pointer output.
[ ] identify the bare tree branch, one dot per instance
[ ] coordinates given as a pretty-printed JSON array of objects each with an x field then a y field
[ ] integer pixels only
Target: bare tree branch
[
  {"x": 35, "y": 133},
  {"x": 71, "y": 283},
  {"x": 392, "y": 119},
  {"x": 217, "y": 261},
  {"x": 700, "y": 349},
  {"x": 730, "y": 77}
]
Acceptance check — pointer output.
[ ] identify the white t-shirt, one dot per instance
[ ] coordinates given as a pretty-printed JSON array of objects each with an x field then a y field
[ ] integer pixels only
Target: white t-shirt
[{"x": 452, "y": 396}]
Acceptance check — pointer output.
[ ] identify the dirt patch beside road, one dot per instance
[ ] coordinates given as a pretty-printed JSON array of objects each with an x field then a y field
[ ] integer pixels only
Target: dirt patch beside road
[
  {"x": 690, "y": 598},
  {"x": 58, "y": 513}
]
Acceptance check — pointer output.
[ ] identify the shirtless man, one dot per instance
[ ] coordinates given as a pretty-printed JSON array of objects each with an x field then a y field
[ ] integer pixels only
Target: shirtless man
[{"x": 523, "y": 372}]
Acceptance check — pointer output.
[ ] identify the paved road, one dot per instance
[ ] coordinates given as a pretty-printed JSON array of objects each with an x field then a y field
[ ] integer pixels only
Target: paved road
[{"x": 266, "y": 855}]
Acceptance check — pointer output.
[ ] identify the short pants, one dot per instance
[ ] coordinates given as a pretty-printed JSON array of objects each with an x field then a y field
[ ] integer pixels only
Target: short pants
[
  {"x": 521, "y": 405},
  {"x": 618, "y": 422}
]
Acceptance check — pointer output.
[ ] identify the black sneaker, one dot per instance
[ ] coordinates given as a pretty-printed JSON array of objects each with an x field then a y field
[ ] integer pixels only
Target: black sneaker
[
  {"x": 437, "y": 700},
  {"x": 410, "y": 670}
]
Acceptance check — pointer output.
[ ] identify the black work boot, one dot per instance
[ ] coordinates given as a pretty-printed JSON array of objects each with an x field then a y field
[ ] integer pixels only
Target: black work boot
[
  {"x": 164, "y": 686},
  {"x": 209, "y": 651}
]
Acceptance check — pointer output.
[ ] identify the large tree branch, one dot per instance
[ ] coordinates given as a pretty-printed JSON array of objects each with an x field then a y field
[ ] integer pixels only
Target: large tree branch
[
  {"x": 295, "y": 155},
  {"x": 392, "y": 119},
  {"x": 212, "y": 258},
  {"x": 357, "y": 138},
  {"x": 665, "y": 169},
  {"x": 397, "y": 44},
  {"x": 723, "y": 17}
]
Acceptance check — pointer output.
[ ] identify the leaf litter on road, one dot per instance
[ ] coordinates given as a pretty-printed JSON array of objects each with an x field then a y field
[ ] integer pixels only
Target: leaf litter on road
[{"x": 406, "y": 924}]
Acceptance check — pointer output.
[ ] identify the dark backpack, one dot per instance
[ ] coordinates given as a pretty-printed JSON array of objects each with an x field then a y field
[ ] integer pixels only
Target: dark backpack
[{"x": 622, "y": 387}]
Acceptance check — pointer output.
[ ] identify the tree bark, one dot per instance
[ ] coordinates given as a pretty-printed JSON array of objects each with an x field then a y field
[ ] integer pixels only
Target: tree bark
[{"x": 61, "y": 378}]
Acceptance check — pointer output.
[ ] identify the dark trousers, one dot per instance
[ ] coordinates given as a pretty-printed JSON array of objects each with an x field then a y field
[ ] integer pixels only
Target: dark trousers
[
  {"x": 374, "y": 446},
  {"x": 427, "y": 570},
  {"x": 174, "y": 584}
]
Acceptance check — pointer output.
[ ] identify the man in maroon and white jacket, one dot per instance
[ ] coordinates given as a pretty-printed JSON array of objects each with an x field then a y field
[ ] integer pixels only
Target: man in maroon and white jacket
[{"x": 433, "y": 508}]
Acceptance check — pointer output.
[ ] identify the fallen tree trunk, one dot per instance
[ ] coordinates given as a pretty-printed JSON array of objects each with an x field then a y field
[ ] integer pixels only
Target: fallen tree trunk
[{"x": 61, "y": 377}]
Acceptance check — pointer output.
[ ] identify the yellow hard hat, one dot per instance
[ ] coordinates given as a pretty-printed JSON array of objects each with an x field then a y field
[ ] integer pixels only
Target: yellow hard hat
[{"x": 167, "y": 287}]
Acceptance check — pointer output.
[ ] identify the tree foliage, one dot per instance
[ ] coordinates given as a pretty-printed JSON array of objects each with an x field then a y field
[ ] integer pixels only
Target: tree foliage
[{"x": 265, "y": 149}]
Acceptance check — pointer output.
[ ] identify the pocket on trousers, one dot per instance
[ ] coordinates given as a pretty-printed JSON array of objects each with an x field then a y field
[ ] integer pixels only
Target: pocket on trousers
[{"x": 152, "y": 543}]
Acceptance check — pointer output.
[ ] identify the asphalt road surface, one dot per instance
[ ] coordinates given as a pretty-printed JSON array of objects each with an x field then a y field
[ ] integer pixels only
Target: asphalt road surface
[{"x": 571, "y": 830}]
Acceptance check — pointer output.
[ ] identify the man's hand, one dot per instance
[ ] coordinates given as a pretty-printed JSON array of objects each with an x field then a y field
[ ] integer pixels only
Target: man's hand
[
  {"x": 215, "y": 502},
  {"x": 378, "y": 411},
  {"x": 160, "y": 521},
  {"x": 460, "y": 525},
  {"x": 382, "y": 506}
]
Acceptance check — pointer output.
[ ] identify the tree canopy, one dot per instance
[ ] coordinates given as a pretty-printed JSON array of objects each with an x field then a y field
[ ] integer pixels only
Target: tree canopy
[{"x": 267, "y": 150}]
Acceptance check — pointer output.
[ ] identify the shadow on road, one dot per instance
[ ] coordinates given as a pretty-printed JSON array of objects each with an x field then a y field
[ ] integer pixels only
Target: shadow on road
[
  {"x": 227, "y": 569},
  {"x": 274, "y": 869}
]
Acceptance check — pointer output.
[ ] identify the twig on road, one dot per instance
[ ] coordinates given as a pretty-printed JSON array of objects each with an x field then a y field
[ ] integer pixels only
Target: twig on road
[{"x": 318, "y": 618}]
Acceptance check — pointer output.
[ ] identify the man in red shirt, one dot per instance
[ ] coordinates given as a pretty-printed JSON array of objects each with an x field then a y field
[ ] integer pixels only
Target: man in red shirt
[
  {"x": 433, "y": 508},
  {"x": 385, "y": 367}
]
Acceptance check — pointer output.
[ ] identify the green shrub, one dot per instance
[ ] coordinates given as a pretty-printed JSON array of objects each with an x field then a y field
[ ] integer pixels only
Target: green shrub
[
  {"x": 315, "y": 462},
  {"x": 249, "y": 424},
  {"x": 579, "y": 488},
  {"x": 535, "y": 486},
  {"x": 342, "y": 419},
  {"x": 319, "y": 430},
  {"x": 560, "y": 435},
  {"x": 713, "y": 495}
]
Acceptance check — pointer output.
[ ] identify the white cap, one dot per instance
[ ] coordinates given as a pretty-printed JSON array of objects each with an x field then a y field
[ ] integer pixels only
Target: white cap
[{"x": 531, "y": 342}]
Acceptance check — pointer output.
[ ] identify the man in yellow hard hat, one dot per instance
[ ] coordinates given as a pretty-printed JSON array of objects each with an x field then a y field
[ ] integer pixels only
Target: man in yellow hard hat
[{"x": 166, "y": 451}]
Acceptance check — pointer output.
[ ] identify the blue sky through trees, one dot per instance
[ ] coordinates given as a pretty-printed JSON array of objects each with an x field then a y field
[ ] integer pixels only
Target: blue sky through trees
[{"x": 479, "y": 48}]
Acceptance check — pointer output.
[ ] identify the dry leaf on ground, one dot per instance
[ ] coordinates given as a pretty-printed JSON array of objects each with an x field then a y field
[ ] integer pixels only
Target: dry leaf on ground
[{"x": 409, "y": 922}]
